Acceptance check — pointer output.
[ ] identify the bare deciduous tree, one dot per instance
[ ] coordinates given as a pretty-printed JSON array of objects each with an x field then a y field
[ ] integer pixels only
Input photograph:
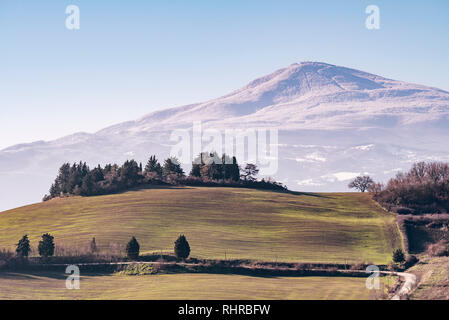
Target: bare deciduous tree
[
  {"x": 361, "y": 183},
  {"x": 250, "y": 172},
  {"x": 376, "y": 188}
]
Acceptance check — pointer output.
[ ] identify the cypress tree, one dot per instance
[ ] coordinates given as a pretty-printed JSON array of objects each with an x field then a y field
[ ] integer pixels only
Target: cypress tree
[
  {"x": 182, "y": 248},
  {"x": 132, "y": 249},
  {"x": 46, "y": 246},
  {"x": 23, "y": 247}
]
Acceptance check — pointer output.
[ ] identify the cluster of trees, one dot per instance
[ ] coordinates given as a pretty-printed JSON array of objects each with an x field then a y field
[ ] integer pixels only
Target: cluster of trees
[
  {"x": 208, "y": 168},
  {"x": 46, "y": 247},
  {"x": 424, "y": 189},
  {"x": 181, "y": 248},
  {"x": 79, "y": 179}
]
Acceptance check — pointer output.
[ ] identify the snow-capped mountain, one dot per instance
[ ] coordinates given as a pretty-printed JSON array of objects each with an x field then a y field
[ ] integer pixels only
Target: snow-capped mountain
[
  {"x": 309, "y": 95},
  {"x": 334, "y": 123}
]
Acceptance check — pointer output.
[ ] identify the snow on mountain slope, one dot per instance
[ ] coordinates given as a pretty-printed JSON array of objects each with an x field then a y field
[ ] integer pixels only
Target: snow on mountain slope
[
  {"x": 308, "y": 95},
  {"x": 334, "y": 123}
]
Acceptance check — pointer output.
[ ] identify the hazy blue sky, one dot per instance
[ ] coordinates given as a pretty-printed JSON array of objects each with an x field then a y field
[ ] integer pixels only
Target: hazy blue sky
[{"x": 132, "y": 57}]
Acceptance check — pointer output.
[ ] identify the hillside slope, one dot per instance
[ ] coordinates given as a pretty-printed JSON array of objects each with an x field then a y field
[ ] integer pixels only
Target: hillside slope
[
  {"x": 334, "y": 123},
  {"x": 247, "y": 224}
]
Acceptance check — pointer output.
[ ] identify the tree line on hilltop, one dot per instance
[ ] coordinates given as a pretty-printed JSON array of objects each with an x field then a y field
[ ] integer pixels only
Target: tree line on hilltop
[{"x": 207, "y": 169}]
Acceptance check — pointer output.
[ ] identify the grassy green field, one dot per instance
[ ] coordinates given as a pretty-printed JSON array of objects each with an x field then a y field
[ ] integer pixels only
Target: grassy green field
[
  {"x": 244, "y": 223},
  {"x": 182, "y": 286}
]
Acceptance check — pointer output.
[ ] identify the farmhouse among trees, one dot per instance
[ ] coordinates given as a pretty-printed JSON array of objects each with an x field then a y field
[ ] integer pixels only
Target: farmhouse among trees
[{"x": 210, "y": 167}]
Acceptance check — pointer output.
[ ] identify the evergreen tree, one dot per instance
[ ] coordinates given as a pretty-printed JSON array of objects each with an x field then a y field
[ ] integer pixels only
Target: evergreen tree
[
  {"x": 132, "y": 249},
  {"x": 84, "y": 169},
  {"x": 107, "y": 169},
  {"x": 97, "y": 174},
  {"x": 172, "y": 166},
  {"x": 197, "y": 164},
  {"x": 196, "y": 170},
  {"x": 62, "y": 180},
  {"x": 46, "y": 246},
  {"x": 54, "y": 191},
  {"x": 234, "y": 172},
  {"x": 23, "y": 247},
  {"x": 153, "y": 166},
  {"x": 75, "y": 178},
  {"x": 88, "y": 186},
  {"x": 182, "y": 248},
  {"x": 129, "y": 174}
]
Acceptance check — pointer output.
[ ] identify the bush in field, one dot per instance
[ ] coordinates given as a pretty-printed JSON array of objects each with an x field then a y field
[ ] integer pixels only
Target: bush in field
[
  {"x": 393, "y": 267},
  {"x": 398, "y": 256},
  {"x": 439, "y": 249},
  {"x": 182, "y": 247},
  {"x": 5, "y": 257},
  {"x": 410, "y": 261},
  {"x": 132, "y": 249},
  {"x": 23, "y": 247},
  {"x": 46, "y": 246}
]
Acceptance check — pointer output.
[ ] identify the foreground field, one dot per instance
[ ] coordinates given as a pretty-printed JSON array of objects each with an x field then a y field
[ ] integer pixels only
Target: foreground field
[
  {"x": 433, "y": 275},
  {"x": 218, "y": 222},
  {"x": 181, "y": 286}
]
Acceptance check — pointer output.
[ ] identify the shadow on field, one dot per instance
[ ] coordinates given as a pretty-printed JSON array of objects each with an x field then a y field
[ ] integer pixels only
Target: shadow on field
[
  {"x": 55, "y": 275},
  {"x": 167, "y": 186},
  {"x": 32, "y": 275},
  {"x": 155, "y": 186},
  {"x": 299, "y": 193}
]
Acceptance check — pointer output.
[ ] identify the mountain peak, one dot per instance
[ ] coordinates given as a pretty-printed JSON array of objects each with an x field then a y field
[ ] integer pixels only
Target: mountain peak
[
  {"x": 311, "y": 63},
  {"x": 307, "y": 95}
]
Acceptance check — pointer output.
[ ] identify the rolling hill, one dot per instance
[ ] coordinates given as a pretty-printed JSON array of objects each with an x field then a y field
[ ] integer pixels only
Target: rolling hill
[
  {"x": 241, "y": 223},
  {"x": 334, "y": 123}
]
